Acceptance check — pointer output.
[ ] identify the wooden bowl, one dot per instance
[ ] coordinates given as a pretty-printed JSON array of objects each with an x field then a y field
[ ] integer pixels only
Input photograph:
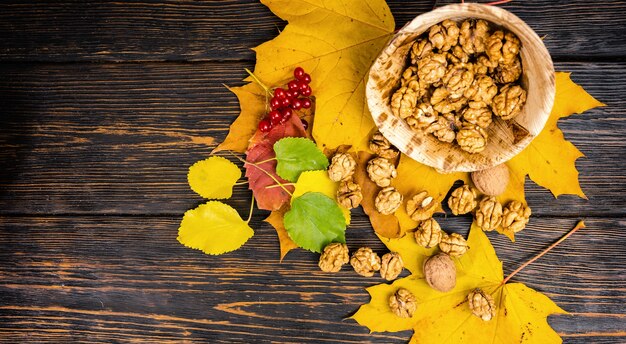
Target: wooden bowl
[{"x": 506, "y": 138}]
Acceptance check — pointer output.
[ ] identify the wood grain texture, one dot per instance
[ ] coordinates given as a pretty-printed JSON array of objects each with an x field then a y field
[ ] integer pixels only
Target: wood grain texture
[
  {"x": 184, "y": 30},
  {"x": 81, "y": 278},
  {"x": 118, "y": 138}
]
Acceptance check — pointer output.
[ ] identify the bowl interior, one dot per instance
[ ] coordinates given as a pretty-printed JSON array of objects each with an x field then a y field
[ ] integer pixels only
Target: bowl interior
[{"x": 506, "y": 138}]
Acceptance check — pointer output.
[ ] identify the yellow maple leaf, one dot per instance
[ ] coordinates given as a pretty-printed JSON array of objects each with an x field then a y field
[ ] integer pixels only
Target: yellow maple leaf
[
  {"x": 213, "y": 228},
  {"x": 252, "y": 100},
  {"x": 213, "y": 178},
  {"x": 276, "y": 220},
  {"x": 445, "y": 317},
  {"x": 336, "y": 42}
]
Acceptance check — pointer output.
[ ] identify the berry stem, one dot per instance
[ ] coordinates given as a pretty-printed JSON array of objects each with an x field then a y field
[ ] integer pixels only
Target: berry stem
[
  {"x": 264, "y": 161},
  {"x": 267, "y": 90},
  {"x": 246, "y": 162},
  {"x": 278, "y": 185},
  {"x": 579, "y": 225}
]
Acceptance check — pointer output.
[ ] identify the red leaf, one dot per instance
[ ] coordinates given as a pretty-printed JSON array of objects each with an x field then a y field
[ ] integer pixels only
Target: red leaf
[{"x": 261, "y": 148}]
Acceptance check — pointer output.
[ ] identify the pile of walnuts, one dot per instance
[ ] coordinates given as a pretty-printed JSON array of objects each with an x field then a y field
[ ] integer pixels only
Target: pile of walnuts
[{"x": 459, "y": 77}]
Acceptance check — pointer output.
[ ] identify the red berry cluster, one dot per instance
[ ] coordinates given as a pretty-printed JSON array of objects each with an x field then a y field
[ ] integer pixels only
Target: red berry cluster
[{"x": 284, "y": 101}]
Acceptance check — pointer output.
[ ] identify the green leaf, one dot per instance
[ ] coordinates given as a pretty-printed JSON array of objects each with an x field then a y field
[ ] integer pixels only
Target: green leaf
[
  {"x": 213, "y": 228},
  {"x": 295, "y": 155},
  {"x": 213, "y": 178},
  {"x": 314, "y": 221}
]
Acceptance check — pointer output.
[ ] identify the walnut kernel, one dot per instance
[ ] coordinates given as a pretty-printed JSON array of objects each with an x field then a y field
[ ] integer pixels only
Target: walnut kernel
[
  {"x": 342, "y": 166},
  {"x": 489, "y": 213},
  {"x": 432, "y": 68},
  {"x": 381, "y": 171},
  {"x": 453, "y": 244},
  {"x": 403, "y": 102},
  {"x": 477, "y": 113},
  {"x": 481, "y": 304},
  {"x": 462, "y": 200},
  {"x": 382, "y": 147},
  {"x": 349, "y": 194},
  {"x": 421, "y": 206},
  {"x": 365, "y": 262},
  {"x": 402, "y": 303},
  {"x": 391, "y": 266},
  {"x": 509, "y": 102},
  {"x": 334, "y": 256},
  {"x": 472, "y": 138},
  {"x": 388, "y": 200},
  {"x": 473, "y": 36},
  {"x": 444, "y": 36},
  {"x": 515, "y": 216}
]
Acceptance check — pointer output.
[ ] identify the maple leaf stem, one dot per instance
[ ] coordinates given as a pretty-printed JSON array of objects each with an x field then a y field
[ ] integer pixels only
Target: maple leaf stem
[
  {"x": 267, "y": 90},
  {"x": 251, "y": 208},
  {"x": 500, "y": 2},
  {"x": 579, "y": 225}
]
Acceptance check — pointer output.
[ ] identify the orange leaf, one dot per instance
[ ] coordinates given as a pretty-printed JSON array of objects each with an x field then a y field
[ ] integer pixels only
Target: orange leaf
[{"x": 276, "y": 220}]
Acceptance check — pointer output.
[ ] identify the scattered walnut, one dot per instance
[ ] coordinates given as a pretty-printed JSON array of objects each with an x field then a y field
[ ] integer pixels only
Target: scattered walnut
[
  {"x": 365, "y": 262},
  {"x": 453, "y": 244},
  {"x": 458, "y": 79},
  {"x": 423, "y": 116},
  {"x": 473, "y": 36},
  {"x": 382, "y": 147},
  {"x": 388, "y": 200},
  {"x": 419, "y": 49},
  {"x": 483, "y": 89},
  {"x": 489, "y": 213},
  {"x": 508, "y": 73},
  {"x": 342, "y": 166},
  {"x": 462, "y": 200},
  {"x": 421, "y": 206},
  {"x": 472, "y": 138},
  {"x": 478, "y": 113},
  {"x": 403, "y": 102},
  {"x": 444, "y": 36},
  {"x": 442, "y": 130},
  {"x": 381, "y": 171},
  {"x": 334, "y": 256},
  {"x": 515, "y": 216},
  {"x": 402, "y": 303},
  {"x": 391, "y": 266},
  {"x": 509, "y": 102},
  {"x": 349, "y": 194},
  {"x": 492, "y": 181},
  {"x": 428, "y": 233},
  {"x": 440, "y": 272},
  {"x": 432, "y": 68},
  {"x": 481, "y": 304}
]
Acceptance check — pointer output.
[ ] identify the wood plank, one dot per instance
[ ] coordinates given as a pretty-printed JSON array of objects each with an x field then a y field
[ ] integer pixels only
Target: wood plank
[
  {"x": 126, "y": 278},
  {"x": 118, "y": 138},
  {"x": 227, "y": 29}
]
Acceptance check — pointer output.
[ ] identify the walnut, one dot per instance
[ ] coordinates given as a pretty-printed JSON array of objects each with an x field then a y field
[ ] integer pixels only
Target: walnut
[
  {"x": 444, "y": 36},
  {"x": 472, "y": 138},
  {"x": 365, "y": 262},
  {"x": 440, "y": 272},
  {"x": 428, "y": 233},
  {"x": 423, "y": 116},
  {"x": 494, "y": 46},
  {"x": 444, "y": 102},
  {"x": 458, "y": 79},
  {"x": 442, "y": 130},
  {"x": 432, "y": 68},
  {"x": 508, "y": 73},
  {"x": 515, "y": 216},
  {"x": 381, "y": 171},
  {"x": 420, "y": 49},
  {"x": 492, "y": 181},
  {"x": 462, "y": 200},
  {"x": 388, "y": 200},
  {"x": 484, "y": 66},
  {"x": 403, "y": 102},
  {"x": 421, "y": 206},
  {"x": 349, "y": 194},
  {"x": 477, "y": 113},
  {"x": 483, "y": 89},
  {"x": 481, "y": 304},
  {"x": 453, "y": 244},
  {"x": 382, "y": 147},
  {"x": 509, "y": 102},
  {"x": 457, "y": 55},
  {"x": 342, "y": 166},
  {"x": 391, "y": 266},
  {"x": 489, "y": 213},
  {"x": 334, "y": 256},
  {"x": 503, "y": 48},
  {"x": 402, "y": 303},
  {"x": 412, "y": 81},
  {"x": 473, "y": 36}
]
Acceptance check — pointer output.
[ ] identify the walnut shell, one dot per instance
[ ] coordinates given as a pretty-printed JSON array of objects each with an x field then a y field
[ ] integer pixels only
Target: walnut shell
[
  {"x": 440, "y": 272},
  {"x": 492, "y": 181}
]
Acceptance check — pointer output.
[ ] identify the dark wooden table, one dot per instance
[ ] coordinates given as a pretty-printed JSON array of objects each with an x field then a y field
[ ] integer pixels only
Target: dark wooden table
[{"x": 103, "y": 107}]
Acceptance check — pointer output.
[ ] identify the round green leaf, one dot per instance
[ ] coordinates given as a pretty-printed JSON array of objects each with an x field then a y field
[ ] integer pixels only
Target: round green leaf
[
  {"x": 213, "y": 228},
  {"x": 295, "y": 155},
  {"x": 213, "y": 178},
  {"x": 314, "y": 221}
]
